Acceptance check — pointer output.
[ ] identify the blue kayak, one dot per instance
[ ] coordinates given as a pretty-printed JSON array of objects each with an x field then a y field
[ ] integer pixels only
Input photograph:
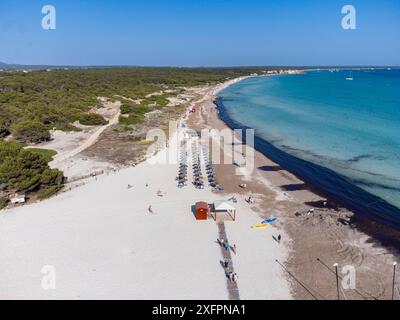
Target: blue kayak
[{"x": 270, "y": 220}]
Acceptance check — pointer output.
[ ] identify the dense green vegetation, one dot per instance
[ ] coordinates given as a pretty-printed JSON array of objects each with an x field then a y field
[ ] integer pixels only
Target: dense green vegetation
[
  {"x": 33, "y": 103},
  {"x": 60, "y": 97},
  {"x": 26, "y": 171}
]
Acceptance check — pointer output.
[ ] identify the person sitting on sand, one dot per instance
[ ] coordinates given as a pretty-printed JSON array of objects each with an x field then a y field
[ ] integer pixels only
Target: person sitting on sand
[
  {"x": 226, "y": 264},
  {"x": 250, "y": 200},
  {"x": 233, "y": 277}
]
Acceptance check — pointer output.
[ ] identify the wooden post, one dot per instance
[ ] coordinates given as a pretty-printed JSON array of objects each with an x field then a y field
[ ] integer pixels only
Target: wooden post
[
  {"x": 337, "y": 280},
  {"x": 394, "y": 278}
]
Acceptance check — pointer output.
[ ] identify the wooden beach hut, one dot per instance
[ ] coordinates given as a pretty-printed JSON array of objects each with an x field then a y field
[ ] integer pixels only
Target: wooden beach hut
[{"x": 202, "y": 210}]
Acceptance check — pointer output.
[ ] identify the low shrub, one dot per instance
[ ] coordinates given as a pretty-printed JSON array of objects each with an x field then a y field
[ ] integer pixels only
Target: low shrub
[
  {"x": 48, "y": 192},
  {"x": 3, "y": 202},
  {"x": 92, "y": 119},
  {"x": 30, "y": 131}
]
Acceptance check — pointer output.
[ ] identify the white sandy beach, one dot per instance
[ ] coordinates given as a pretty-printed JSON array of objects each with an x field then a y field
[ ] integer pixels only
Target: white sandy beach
[{"x": 104, "y": 244}]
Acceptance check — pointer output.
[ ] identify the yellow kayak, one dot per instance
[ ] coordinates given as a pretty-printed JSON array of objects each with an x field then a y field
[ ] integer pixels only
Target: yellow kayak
[{"x": 259, "y": 226}]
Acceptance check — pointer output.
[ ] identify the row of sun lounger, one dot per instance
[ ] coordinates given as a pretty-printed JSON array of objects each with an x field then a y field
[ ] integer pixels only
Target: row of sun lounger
[
  {"x": 183, "y": 165},
  {"x": 210, "y": 169},
  {"x": 197, "y": 176}
]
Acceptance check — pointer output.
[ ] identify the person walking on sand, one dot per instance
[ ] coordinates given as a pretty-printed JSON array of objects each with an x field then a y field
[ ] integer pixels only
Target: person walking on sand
[
  {"x": 279, "y": 238},
  {"x": 234, "y": 249},
  {"x": 150, "y": 209},
  {"x": 226, "y": 264}
]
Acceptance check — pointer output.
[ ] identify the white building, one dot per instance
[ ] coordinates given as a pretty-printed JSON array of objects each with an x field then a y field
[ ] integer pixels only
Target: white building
[{"x": 18, "y": 199}]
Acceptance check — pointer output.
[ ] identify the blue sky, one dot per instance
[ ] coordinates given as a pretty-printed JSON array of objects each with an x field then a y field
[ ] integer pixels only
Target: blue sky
[{"x": 200, "y": 32}]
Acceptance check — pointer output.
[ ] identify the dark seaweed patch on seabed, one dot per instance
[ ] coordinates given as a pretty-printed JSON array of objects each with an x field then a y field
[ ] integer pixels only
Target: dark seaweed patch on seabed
[
  {"x": 345, "y": 163},
  {"x": 360, "y": 157},
  {"x": 329, "y": 183}
]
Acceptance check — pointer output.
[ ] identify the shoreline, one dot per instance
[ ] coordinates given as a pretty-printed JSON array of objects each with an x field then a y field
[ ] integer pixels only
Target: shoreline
[
  {"x": 355, "y": 201},
  {"x": 362, "y": 239}
]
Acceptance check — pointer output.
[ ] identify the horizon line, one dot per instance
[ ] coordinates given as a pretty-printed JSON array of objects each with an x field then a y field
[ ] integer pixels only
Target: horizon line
[{"x": 193, "y": 66}]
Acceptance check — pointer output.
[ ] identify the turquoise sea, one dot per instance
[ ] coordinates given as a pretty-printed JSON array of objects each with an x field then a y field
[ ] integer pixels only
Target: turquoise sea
[{"x": 340, "y": 135}]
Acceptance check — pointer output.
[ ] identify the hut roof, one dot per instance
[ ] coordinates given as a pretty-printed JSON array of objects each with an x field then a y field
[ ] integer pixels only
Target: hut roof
[
  {"x": 201, "y": 205},
  {"x": 223, "y": 205}
]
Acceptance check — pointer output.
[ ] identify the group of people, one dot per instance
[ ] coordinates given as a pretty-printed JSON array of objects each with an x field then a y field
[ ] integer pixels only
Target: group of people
[
  {"x": 198, "y": 178},
  {"x": 233, "y": 277},
  {"x": 225, "y": 244},
  {"x": 159, "y": 194},
  {"x": 183, "y": 165}
]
